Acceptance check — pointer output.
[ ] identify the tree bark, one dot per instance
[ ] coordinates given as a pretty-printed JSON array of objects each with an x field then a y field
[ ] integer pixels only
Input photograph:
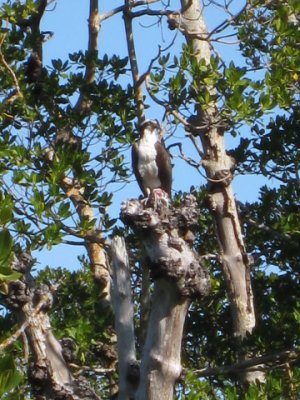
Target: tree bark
[
  {"x": 166, "y": 234},
  {"x": 219, "y": 167},
  {"x": 161, "y": 360},
  {"x": 94, "y": 242},
  {"x": 72, "y": 187},
  {"x": 49, "y": 374},
  {"x": 123, "y": 308}
]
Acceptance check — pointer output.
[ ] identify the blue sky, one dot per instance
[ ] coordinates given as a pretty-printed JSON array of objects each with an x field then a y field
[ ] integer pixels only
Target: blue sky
[{"x": 68, "y": 20}]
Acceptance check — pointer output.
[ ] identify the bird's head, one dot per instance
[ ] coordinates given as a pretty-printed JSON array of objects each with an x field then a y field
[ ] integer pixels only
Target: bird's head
[{"x": 150, "y": 128}]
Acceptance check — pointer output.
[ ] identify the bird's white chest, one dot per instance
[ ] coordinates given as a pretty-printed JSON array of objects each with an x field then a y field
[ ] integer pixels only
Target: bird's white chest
[{"x": 147, "y": 164}]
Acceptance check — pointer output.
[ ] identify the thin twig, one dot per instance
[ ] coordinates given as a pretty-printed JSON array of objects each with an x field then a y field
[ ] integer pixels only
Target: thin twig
[
  {"x": 177, "y": 115},
  {"x": 184, "y": 157},
  {"x": 223, "y": 25}
]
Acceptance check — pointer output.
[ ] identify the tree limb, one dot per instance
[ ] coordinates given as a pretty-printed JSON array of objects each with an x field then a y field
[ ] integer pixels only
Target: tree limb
[
  {"x": 122, "y": 8},
  {"x": 20, "y": 331},
  {"x": 167, "y": 236},
  {"x": 276, "y": 360},
  {"x": 133, "y": 62},
  {"x": 123, "y": 307},
  {"x": 49, "y": 374},
  {"x": 83, "y": 105},
  {"x": 94, "y": 244},
  {"x": 17, "y": 92},
  {"x": 218, "y": 165}
]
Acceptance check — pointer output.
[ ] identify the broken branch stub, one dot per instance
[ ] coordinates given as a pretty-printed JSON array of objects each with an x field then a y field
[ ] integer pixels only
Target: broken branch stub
[
  {"x": 167, "y": 235},
  {"x": 48, "y": 373}
]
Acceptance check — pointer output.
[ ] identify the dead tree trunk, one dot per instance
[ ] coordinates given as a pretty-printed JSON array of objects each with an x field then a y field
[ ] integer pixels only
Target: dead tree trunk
[
  {"x": 123, "y": 308},
  {"x": 161, "y": 366},
  {"x": 166, "y": 234},
  {"x": 49, "y": 374}
]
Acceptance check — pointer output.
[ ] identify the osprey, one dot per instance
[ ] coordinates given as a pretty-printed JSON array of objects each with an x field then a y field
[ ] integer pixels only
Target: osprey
[{"x": 151, "y": 162}]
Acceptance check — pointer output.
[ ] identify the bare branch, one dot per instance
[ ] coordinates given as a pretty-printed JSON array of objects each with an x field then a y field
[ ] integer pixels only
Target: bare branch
[
  {"x": 184, "y": 157},
  {"x": 223, "y": 25},
  {"x": 17, "y": 92},
  {"x": 276, "y": 360},
  {"x": 123, "y": 308},
  {"x": 133, "y": 62},
  {"x": 155, "y": 13},
  {"x": 122, "y": 8},
  {"x": 94, "y": 27}
]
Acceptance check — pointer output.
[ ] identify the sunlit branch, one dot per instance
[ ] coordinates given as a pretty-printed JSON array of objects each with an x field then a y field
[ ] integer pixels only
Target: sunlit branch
[
  {"x": 17, "y": 92},
  {"x": 72, "y": 242},
  {"x": 95, "y": 370},
  {"x": 94, "y": 242}
]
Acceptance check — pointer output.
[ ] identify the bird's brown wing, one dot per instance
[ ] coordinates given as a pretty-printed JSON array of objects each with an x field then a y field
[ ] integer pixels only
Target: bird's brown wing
[
  {"x": 163, "y": 161},
  {"x": 135, "y": 160}
]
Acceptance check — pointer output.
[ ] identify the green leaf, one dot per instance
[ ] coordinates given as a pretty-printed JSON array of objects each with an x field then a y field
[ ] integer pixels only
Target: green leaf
[
  {"x": 10, "y": 376},
  {"x": 6, "y": 244},
  {"x": 57, "y": 64},
  {"x": 7, "y": 274},
  {"x": 38, "y": 202},
  {"x": 64, "y": 210},
  {"x": 6, "y": 211}
]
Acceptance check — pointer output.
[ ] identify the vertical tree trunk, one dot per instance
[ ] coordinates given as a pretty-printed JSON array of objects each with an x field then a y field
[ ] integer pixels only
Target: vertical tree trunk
[
  {"x": 123, "y": 308},
  {"x": 219, "y": 167},
  {"x": 161, "y": 361},
  {"x": 178, "y": 277}
]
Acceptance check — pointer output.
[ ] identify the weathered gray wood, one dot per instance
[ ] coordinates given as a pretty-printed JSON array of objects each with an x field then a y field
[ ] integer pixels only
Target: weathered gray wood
[
  {"x": 123, "y": 309},
  {"x": 48, "y": 374},
  {"x": 219, "y": 170},
  {"x": 161, "y": 360},
  {"x": 166, "y": 233}
]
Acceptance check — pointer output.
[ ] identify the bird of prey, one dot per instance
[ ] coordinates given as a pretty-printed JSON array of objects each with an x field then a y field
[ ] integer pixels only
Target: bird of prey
[{"x": 151, "y": 163}]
